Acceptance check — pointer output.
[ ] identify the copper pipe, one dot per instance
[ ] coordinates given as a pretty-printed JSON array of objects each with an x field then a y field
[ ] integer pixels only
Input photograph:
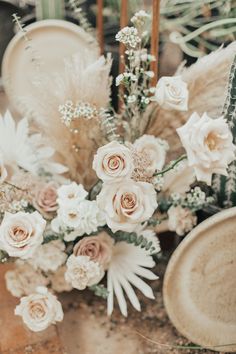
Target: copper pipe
[{"x": 123, "y": 23}]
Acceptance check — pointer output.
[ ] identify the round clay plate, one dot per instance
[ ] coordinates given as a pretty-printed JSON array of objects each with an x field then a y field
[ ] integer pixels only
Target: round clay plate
[
  {"x": 51, "y": 42},
  {"x": 200, "y": 284}
]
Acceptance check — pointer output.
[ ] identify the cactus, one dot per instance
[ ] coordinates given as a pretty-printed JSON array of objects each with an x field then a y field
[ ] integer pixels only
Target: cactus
[
  {"x": 225, "y": 187},
  {"x": 46, "y": 9}
]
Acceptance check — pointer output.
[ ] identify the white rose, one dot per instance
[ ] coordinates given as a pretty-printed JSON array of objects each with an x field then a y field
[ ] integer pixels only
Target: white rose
[
  {"x": 21, "y": 233},
  {"x": 127, "y": 204},
  {"x": 113, "y": 160},
  {"x": 181, "y": 220},
  {"x": 39, "y": 310},
  {"x": 172, "y": 93},
  {"x": 71, "y": 194},
  {"x": 209, "y": 146},
  {"x": 50, "y": 256},
  {"x": 82, "y": 272},
  {"x": 83, "y": 218},
  {"x": 154, "y": 148}
]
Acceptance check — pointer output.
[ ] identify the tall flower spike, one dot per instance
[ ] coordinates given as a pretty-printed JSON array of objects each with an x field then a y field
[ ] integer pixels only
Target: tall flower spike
[{"x": 128, "y": 264}]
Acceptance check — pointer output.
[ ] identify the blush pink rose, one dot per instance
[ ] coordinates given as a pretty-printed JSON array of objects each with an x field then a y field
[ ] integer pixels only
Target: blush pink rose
[
  {"x": 46, "y": 198},
  {"x": 97, "y": 248}
]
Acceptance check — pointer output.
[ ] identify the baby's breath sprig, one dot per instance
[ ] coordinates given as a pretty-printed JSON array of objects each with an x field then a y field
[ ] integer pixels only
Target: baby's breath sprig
[{"x": 136, "y": 77}]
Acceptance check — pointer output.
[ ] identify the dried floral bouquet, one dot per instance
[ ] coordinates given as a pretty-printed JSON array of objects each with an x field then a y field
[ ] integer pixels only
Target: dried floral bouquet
[{"x": 66, "y": 228}]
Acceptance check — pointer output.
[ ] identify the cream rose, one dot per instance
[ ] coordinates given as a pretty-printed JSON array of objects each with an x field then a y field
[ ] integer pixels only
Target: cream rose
[
  {"x": 172, "y": 93},
  {"x": 181, "y": 220},
  {"x": 113, "y": 161},
  {"x": 21, "y": 233},
  {"x": 97, "y": 248},
  {"x": 82, "y": 272},
  {"x": 39, "y": 310},
  {"x": 127, "y": 204},
  {"x": 45, "y": 200},
  {"x": 209, "y": 146},
  {"x": 155, "y": 149}
]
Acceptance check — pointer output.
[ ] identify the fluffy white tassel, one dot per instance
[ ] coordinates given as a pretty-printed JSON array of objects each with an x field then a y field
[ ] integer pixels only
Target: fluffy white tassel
[{"x": 85, "y": 79}]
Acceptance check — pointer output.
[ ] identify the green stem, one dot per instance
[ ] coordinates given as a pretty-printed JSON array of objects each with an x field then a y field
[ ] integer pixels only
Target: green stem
[{"x": 171, "y": 166}]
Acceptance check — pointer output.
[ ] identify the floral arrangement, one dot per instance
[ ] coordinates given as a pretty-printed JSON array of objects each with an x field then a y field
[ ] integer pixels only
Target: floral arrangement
[{"x": 66, "y": 227}]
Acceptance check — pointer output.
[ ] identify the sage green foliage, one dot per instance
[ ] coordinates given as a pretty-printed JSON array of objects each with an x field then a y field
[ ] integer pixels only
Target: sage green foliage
[
  {"x": 99, "y": 290},
  {"x": 135, "y": 239},
  {"x": 3, "y": 256},
  {"x": 225, "y": 187}
]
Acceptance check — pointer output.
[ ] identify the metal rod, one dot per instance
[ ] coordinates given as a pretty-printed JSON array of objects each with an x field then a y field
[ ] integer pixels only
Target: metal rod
[
  {"x": 100, "y": 32},
  {"x": 155, "y": 38}
]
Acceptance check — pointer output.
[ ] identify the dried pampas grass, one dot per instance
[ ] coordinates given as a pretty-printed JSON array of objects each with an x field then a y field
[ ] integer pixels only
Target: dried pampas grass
[
  {"x": 207, "y": 83},
  {"x": 85, "y": 79}
]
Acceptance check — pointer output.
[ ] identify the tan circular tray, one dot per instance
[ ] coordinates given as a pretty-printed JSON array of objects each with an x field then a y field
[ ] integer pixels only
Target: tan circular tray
[
  {"x": 200, "y": 284},
  {"x": 51, "y": 42}
]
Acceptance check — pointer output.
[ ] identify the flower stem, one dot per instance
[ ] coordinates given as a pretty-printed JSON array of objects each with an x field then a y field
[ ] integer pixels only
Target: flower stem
[{"x": 171, "y": 166}]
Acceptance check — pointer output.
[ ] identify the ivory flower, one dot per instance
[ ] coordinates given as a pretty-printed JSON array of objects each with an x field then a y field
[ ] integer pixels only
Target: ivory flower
[
  {"x": 209, "y": 146},
  {"x": 82, "y": 272},
  {"x": 39, "y": 310},
  {"x": 113, "y": 160},
  {"x": 172, "y": 93},
  {"x": 50, "y": 256},
  {"x": 21, "y": 233},
  {"x": 181, "y": 220},
  {"x": 127, "y": 204},
  {"x": 154, "y": 148},
  {"x": 23, "y": 279},
  {"x": 98, "y": 248},
  {"x": 83, "y": 218},
  {"x": 71, "y": 194}
]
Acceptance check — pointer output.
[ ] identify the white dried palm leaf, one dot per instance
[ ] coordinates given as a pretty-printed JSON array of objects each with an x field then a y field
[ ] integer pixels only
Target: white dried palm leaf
[
  {"x": 128, "y": 264},
  {"x": 85, "y": 79},
  {"x": 20, "y": 149},
  {"x": 207, "y": 83}
]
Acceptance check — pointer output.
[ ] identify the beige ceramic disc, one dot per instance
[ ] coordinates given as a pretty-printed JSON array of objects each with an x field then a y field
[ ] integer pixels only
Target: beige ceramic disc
[
  {"x": 51, "y": 42},
  {"x": 200, "y": 284}
]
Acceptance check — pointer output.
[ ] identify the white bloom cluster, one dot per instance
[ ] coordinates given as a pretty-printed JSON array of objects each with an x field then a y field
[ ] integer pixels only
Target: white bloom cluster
[
  {"x": 24, "y": 279},
  {"x": 82, "y": 272},
  {"x": 139, "y": 18},
  {"x": 76, "y": 216},
  {"x": 181, "y": 220},
  {"x": 49, "y": 256},
  {"x": 128, "y": 36},
  {"x": 70, "y": 112}
]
